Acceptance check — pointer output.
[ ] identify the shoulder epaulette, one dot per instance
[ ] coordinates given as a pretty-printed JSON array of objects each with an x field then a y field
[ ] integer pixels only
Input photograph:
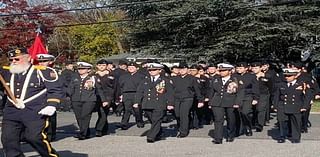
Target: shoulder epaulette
[
  {"x": 6, "y": 67},
  {"x": 40, "y": 67}
]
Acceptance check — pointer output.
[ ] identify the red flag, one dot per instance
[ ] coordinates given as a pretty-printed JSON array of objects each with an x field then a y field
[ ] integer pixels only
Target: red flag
[{"x": 37, "y": 48}]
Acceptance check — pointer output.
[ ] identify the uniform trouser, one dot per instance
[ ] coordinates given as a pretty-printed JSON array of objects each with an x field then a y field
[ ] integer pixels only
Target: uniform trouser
[
  {"x": 305, "y": 119},
  {"x": 102, "y": 122},
  {"x": 182, "y": 110},
  {"x": 196, "y": 115},
  {"x": 35, "y": 135},
  {"x": 294, "y": 126},
  {"x": 52, "y": 129},
  {"x": 261, "y": 109},
  {"x": 219, "y": 113},
  {"x": 83, "y": 111},
  {"x": 66, "y": 104},
  {"x": 155, "y": 117},
  {"x": 246, "y": 115},
  {"x": 128, "y": 110},
  {"x": 120, "y": 108}
]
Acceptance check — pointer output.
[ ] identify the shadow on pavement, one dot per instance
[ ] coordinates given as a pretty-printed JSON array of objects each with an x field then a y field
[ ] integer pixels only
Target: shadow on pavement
[{"x": 68, "y": 153}]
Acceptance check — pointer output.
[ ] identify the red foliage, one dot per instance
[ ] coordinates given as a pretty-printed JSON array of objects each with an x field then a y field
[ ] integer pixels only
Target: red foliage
[{"x": 19, "y": 30}]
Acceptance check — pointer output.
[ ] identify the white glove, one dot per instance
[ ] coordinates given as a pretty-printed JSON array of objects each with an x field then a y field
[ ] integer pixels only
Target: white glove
[
  {"x": 20, "y": 104},
  {"x": 47, "y": 111}
]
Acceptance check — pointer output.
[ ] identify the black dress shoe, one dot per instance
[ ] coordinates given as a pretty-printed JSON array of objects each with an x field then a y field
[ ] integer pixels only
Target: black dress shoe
[
  {"x": 230, "y": 139},
  {"x": 76, "y": 136},
  {"x": 304, "y": 131},
  {"x": 150, "y": 140},
  {"x": 122, "y": 126},
  {"x": 258, "y": 129},
  {"x": 140, "y": 125},
  {"x": 281, "y": 140},
  {"x": 182, "y": 135},
  {"x": 217, "y": 141},
  {"x": 99, "y": 134},
  {"x": 249, "y": 133},
  {"x": 295, "y": 141},
  {"x": 81, "y": 137}
]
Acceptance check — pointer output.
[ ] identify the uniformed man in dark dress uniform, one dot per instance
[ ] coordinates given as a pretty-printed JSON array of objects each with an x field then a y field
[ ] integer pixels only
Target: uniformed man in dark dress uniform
[
  {"x": 47, "y": 60},
  {"x": 186, "y": 88},
  {"x": 83, "y": 93},
  {"x": 265, "y": 87},
  {"x": 249, "y": 89},
  {"x": 66, "y": 75},
  {"x": 290, "y": 102},
  {"x": 105, "y": 84},
  {"x": 33, "y": 95},
  {"x": 274, "y": 79},
  {"x": 155, "y": 95},
  {"x": 198, "y": 114},
  {"x": 313, "y": 86},
  {"x": 223, "y": 100},
  {"x": 128, "y": 84},
  {"x": 117, "y": 73}
]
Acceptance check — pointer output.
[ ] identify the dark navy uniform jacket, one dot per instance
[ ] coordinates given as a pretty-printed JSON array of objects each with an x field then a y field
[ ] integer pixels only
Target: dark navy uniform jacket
[
  {"x": 220, "y": 97},
  {"x": 187, "y": 87},
  {"x": 128, "y": 84},
  {"x": 149, "y": 98},
  {"x": 105, "y": 87},
  {"x": 291, "y": 99},
  {"x": 35, "y": 85},
  {"x": 248, "y": 86},
  {"x": 78, "y": 92}
]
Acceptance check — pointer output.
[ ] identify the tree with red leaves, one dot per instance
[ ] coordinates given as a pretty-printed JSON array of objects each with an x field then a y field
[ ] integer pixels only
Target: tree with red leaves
[{"x": 19, "y": 20}]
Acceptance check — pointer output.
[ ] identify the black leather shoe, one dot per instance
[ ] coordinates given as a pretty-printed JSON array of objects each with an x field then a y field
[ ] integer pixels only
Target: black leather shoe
[
  {"x": 230, "y": 139},
  {"x": 181, "y": 135},
  {"x": 99, "y": 134},
  {"x": 217, "y": 141},
  {"x": 304, "y": 131},
  {"x": 81, "y": 137},
  {"x": 295, "y": 141},
  {"x": 140, "y": 125},
  {"x": 258, "y": 129},
  {"x": 249, "y": 133},
  {"x": 122, "y": 126},
  {"x": 76, "y": 136},
  {"x": 281, "y": 140},
  {"x": 150, "y": 140}
]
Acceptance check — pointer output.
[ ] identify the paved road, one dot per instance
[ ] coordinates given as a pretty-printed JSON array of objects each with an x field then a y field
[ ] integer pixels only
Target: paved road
[{"x": 132, "y": 142}]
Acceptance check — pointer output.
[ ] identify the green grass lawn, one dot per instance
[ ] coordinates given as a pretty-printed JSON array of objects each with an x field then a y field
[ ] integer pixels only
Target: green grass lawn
[{"x": 315, "y": 107}]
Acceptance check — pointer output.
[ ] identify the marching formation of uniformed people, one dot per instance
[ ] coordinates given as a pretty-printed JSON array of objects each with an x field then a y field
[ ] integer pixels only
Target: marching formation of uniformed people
[{"x": 242, "y": 94}]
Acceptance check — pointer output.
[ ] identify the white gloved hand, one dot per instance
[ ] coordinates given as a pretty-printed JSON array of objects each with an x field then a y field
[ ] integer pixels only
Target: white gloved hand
[
  {"x": 20, "y": 104},
  {"x": 47, "y": 111}
]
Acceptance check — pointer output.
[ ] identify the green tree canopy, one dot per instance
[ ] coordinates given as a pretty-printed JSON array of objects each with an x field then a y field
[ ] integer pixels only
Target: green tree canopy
[{"x": 225, "y": 29}]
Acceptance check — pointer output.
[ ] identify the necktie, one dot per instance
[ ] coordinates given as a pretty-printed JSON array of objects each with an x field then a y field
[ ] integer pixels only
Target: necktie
[
  {"x": 153, "y": 79},
  {"x": 290, "y": 84}
]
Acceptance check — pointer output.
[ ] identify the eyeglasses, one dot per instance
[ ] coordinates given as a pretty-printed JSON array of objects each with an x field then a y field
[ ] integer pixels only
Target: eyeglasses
[{"x": 14, "y": 59}]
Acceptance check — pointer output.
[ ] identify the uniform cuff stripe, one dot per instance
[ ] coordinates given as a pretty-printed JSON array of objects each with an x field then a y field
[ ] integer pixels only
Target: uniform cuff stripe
[{"x": 54, "y": 100}]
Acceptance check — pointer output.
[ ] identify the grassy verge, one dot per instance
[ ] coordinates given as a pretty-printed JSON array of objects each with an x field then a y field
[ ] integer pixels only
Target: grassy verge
[{"x": 315, "y": 107}]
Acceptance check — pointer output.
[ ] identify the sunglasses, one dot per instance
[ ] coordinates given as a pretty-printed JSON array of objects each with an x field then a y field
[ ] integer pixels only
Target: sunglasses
[{"x": 14, "y": 59}]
